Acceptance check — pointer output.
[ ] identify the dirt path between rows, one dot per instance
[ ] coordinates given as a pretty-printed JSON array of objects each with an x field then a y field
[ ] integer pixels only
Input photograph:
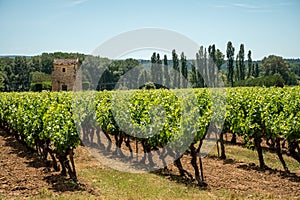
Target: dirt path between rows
[{"x": 23, "y": 174}]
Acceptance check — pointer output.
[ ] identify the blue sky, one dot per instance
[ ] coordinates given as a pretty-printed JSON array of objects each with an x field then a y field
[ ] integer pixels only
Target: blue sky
[{"x": 263, "y": 26}]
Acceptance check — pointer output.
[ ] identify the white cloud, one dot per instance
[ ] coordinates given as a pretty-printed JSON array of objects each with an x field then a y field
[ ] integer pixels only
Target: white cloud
[
  {"x": 259, "y": 11},
  {"x": 76, "y": 2},
  {"x": 220, "y": 6},
  {"x": 243, "y": 5}
]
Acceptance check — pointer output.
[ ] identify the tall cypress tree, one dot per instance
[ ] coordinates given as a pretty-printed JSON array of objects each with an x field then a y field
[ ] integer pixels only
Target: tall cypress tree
[
  {"x": 241, "y": 62},
  {"x": 199, "y": 69},
  {"x": 193, "y": 76},
  {"x": 176, "y": 77},
  {"x": 159, "y": 70},
  {"x": 154, "y": 68},
  {"x": 250, "y": 65},
  {"x": 184, "y": 70},
  {"x": 237, "y": 68},
  {"x": 166, "y": 73},
  {"x": 206, "y": 67},
  {"x": 230, "y": 58},
  {"x": 200, "y": 64},
  {"x": 212, "y": 63}
]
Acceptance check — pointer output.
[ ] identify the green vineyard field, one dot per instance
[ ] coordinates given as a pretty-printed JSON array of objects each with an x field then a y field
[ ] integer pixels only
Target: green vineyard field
[{"x": 54, "y": 124}]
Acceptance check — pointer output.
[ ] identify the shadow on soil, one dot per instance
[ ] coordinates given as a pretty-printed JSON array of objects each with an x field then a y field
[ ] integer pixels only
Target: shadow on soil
[
  {"x": 252, "y": 166},
  {"x": 170, "y": 175},
  {"x": 289, "y": 176},
  {"x": 57, "y": 182}
]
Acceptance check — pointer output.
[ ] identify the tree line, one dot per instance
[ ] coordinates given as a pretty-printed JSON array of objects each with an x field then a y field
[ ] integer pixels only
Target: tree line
[
  {"x": 209, "y": 68},
  {"x": 273, "y": 71},
  {"x": 179, "y": 72}
]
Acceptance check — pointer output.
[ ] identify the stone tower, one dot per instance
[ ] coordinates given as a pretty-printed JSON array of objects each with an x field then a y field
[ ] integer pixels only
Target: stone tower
[{"x": 64, "y": 74}]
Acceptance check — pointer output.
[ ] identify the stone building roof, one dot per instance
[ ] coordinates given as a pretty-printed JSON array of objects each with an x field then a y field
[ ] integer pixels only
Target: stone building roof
[{"x": 65, "y": 61}]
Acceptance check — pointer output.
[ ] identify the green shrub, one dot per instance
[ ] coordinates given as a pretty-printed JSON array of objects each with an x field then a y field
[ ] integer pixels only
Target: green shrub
[
  {"x": 267, "y": 81},
  {"x": 86, "y": 86},
  {"x": 38, "y": 87}
]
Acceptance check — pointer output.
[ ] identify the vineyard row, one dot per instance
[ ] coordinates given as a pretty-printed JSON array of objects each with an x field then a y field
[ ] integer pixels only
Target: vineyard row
[{"x": 170, "y": 122}]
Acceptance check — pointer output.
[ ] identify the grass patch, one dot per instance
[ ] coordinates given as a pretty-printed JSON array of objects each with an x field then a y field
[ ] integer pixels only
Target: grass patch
[
  {"x": 122, "y": 185},
  {"x": 45, "y": 193}
]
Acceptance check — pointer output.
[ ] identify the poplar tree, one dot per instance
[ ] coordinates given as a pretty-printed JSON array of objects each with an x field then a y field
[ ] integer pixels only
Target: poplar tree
[
  {"x": 250, "y": 65},
  {"x": 166, "y": 72},
  {"x": 176, "y": 77},
  {"x": 184, "y": 71},
  {"x": 242, "y": 62},
  {"x": 230, "y": 58},
  {"x": 237, "y": 68},
  {"x": 159, "y": 69},
  {"x": 153, "y": 68}
]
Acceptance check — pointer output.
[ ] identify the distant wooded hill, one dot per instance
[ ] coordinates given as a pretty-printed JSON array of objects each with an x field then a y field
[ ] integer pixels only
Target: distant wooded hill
[{"x": 18, "y": 73}]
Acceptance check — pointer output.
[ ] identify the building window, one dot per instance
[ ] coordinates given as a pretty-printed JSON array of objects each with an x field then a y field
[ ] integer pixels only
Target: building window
[
  {"x": 63, "y": 69},
  {"x": 64, "y": 87}
]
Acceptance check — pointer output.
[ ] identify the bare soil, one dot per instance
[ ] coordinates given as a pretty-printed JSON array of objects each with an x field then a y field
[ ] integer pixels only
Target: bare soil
[
  {"x": 247, "y": 179},
  {"x": 23, "y": 174}
]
